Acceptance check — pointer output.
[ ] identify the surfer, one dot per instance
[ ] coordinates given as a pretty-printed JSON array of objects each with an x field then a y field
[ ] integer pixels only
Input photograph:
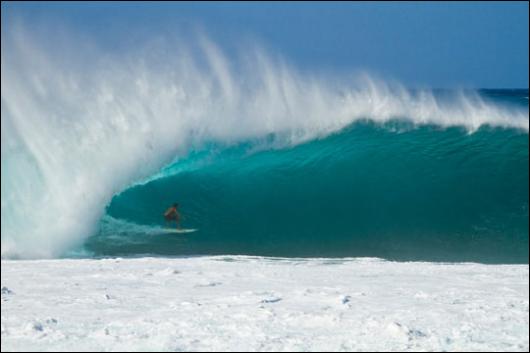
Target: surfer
[{"x": 172, "y": 214}]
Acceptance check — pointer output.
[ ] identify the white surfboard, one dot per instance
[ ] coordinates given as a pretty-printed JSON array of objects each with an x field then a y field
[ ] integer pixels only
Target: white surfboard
[{"x": 183, "y": 230}]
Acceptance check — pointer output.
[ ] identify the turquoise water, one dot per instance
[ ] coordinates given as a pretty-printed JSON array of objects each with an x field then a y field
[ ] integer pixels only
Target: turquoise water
[{"x": 394, "y": 190}]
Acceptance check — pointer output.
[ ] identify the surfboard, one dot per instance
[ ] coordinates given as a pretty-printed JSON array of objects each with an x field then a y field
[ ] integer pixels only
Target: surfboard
[{"x": 184, "y": 230}]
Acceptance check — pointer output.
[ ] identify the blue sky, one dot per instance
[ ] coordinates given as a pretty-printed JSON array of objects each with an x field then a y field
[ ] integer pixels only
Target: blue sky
[{"x": 471, "y": 44}]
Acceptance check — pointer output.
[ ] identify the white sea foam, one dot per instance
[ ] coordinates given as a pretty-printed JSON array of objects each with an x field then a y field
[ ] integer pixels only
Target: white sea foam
[
  {"x": 80, "y": 124},
  {"x": 262, "y": 304}
]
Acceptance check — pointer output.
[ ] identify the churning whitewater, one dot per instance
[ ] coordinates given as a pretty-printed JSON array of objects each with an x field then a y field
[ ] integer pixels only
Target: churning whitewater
[{"x": 264, "y": 159}]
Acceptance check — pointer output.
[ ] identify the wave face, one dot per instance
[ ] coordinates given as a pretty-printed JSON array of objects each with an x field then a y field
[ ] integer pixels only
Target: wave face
[
  {"x": 264, "y": 159},
  {"x": 391, "y": 190}
]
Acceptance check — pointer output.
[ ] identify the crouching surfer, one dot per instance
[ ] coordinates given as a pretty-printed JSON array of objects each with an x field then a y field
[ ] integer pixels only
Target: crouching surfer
[{"x": 172, "y": 214}]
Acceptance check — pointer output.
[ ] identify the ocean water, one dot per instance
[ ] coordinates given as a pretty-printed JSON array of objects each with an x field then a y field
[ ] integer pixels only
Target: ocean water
[
  {"x": 263, "y": 159},
  {"x": 393, "y": 190}
]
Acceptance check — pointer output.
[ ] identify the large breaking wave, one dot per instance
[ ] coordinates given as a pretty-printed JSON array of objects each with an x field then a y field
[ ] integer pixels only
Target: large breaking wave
[{"x": 81, "y": 125}]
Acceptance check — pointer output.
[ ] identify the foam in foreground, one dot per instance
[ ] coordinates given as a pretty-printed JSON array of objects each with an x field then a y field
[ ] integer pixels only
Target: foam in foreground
[{"x": 262, "y": 304}]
